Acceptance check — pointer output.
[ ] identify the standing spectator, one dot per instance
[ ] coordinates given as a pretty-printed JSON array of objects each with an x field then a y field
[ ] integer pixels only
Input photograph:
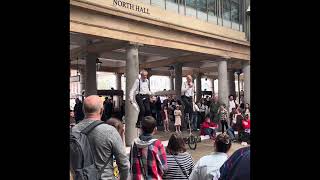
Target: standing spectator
[
  {"x": 232, "y": 103},
  {"x": 208, "y": 167},
  {"x": 247, "y": 109},
  {"x": 177, "y": 122},
  {"x": 223, "y": 114},
  {"x": 158, "y": 111},
  {"x": 78, "y": 112},
  {"x": 153, "y": 108},
  {"x": 237, "y": 167},
  {"x": 203, "y": 111},
  {"x": 108, "y": 105},
  {"x": 147, "y": 155},
  {"x": 116, "y": 123},
  {"x": 214, "y": 108},
  {"x": 195, "y": 119},
  {"x": 180, "y": 163},
  {"x": 165, "y": 119},
  {"x": 104, "y": 140}
]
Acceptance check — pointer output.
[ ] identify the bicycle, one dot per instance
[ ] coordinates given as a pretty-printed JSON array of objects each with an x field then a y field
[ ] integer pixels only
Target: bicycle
[{"x": 192, "y": 139}]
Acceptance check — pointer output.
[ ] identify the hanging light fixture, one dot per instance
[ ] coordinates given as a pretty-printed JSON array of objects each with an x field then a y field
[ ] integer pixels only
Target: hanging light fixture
[{"x": 98, "y": 64}]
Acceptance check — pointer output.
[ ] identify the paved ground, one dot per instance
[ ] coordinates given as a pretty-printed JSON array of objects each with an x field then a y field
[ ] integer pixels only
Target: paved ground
[{"x": 205, "y": 147}]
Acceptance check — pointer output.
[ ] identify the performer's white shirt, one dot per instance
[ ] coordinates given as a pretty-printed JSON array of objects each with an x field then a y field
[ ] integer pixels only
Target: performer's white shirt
[
  {"x": 144, "y": 88},
  {"x": 186, "y": 90}
]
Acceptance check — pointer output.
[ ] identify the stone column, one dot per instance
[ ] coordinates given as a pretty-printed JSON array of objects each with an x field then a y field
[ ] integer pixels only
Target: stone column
[
  {"x": 118, "y": 87},
  {"x": 178, "y": 79},
  {"x": 91, "y": 75},
  {"x": 223, "y": 82},
  {"x": 213, "y": 86},
  {"x": 132, "y": 71},
  {"x": 198, "y": 90},
  {"x": 171, "y": 82},
  {"x": 231, "y": 83},
  {"x": 246, "y": 73}
]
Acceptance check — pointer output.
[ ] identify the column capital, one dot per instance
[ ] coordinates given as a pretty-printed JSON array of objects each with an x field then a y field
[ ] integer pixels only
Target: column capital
[{"x": 133, "y": 45}]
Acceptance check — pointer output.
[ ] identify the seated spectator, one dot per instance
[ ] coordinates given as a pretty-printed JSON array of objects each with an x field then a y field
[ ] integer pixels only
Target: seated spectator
[
  {"x": 246, "y": 133},
  {"x": 237, "y": 167},
  {"x": 148, "y": 158},
  {"x": 235, "y": 125},
  {"x": 180, "y": 163},
  {"x": 208, "y": 167},
  {"x": 208, "y": 128}
]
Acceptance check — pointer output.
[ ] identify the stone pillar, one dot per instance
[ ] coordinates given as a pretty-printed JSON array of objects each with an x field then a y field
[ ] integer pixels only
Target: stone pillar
[
  {"x": 231, "y": 83},
  {"x": 246, "y": 73},
  {"x": 213, "y": 86},
  {"x": 223, "y": 82},
  {"x": 91, "y": 75},
  {"x": 178, "y": 79},
  {"x": 118, "y": 87},
  {"x": 132, "y": 71},
  {"x": 198, "y": 90},
  {"x": 171, "y": 82}
]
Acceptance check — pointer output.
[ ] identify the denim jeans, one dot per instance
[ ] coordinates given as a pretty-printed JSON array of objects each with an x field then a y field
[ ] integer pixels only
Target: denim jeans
[
  {"x": 210, "y": 132},
  {"x": 230, "y": 132},
  {"x": 194, "y": 122}
]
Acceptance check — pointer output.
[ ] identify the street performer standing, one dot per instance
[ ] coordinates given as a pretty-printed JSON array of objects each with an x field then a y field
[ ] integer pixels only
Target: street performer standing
[
  {"x": 187, "y": 91},
  {"x": 142, "y": 93}
]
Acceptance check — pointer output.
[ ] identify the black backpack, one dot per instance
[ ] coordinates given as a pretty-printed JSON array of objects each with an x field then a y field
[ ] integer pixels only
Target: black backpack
[{"x": 82, "y": 161}]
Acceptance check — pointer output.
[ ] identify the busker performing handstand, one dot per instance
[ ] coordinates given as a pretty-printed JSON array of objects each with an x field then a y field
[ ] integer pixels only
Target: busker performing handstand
[{"x": 142, "y": 93}]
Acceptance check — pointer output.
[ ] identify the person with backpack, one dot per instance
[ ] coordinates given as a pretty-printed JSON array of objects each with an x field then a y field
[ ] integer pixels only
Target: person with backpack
[
  {"x": 208, "y": 167},
  {"x": 148, "y": 158},
  {"x": 93, "y": 144},
  {"x": 180, "y": 162}
]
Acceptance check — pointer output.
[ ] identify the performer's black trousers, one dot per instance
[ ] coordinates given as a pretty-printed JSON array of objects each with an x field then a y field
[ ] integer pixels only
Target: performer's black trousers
[{"x": 143, "y": 101}]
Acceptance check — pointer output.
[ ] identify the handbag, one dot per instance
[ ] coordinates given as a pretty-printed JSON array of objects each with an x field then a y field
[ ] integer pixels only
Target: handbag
[{"x": 185, "y": 173}]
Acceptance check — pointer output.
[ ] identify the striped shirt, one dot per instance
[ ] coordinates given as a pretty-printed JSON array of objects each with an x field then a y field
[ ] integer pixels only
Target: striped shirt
[{"x": 174, "y": 171}]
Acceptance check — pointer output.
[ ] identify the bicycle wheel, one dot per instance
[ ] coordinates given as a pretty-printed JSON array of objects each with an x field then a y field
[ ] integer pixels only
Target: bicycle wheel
[{"x": 192, "y": 142}]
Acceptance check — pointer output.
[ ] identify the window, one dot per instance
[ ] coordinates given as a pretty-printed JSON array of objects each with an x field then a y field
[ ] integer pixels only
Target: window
[
  {"x": 226, "y": 13},
  {"x": 159, "y": 3},
  {"x": 191, "y": 6},
  {"x": 172, "y": 5},
  {"x": 212, "y": 11},
  {"x": 202, "y": 9},
  {"x": 235, "y": 14}
]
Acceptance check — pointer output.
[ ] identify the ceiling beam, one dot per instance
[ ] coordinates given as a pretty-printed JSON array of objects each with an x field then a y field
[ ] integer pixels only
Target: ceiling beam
[{"x": 96, "y": 48}]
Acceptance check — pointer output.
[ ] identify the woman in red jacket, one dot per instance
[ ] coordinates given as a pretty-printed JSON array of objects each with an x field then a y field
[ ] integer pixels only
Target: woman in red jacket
[
  {"x": 246, "y": 127},
  {"x": 208, "y": 128}
]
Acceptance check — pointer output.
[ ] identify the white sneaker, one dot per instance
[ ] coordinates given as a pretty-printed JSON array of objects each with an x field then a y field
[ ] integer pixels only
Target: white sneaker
[{"x": 244, "y": 143}]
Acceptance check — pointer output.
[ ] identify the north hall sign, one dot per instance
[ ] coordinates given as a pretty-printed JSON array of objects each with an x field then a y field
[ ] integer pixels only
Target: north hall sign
[{"x": 131, "y": 6}]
